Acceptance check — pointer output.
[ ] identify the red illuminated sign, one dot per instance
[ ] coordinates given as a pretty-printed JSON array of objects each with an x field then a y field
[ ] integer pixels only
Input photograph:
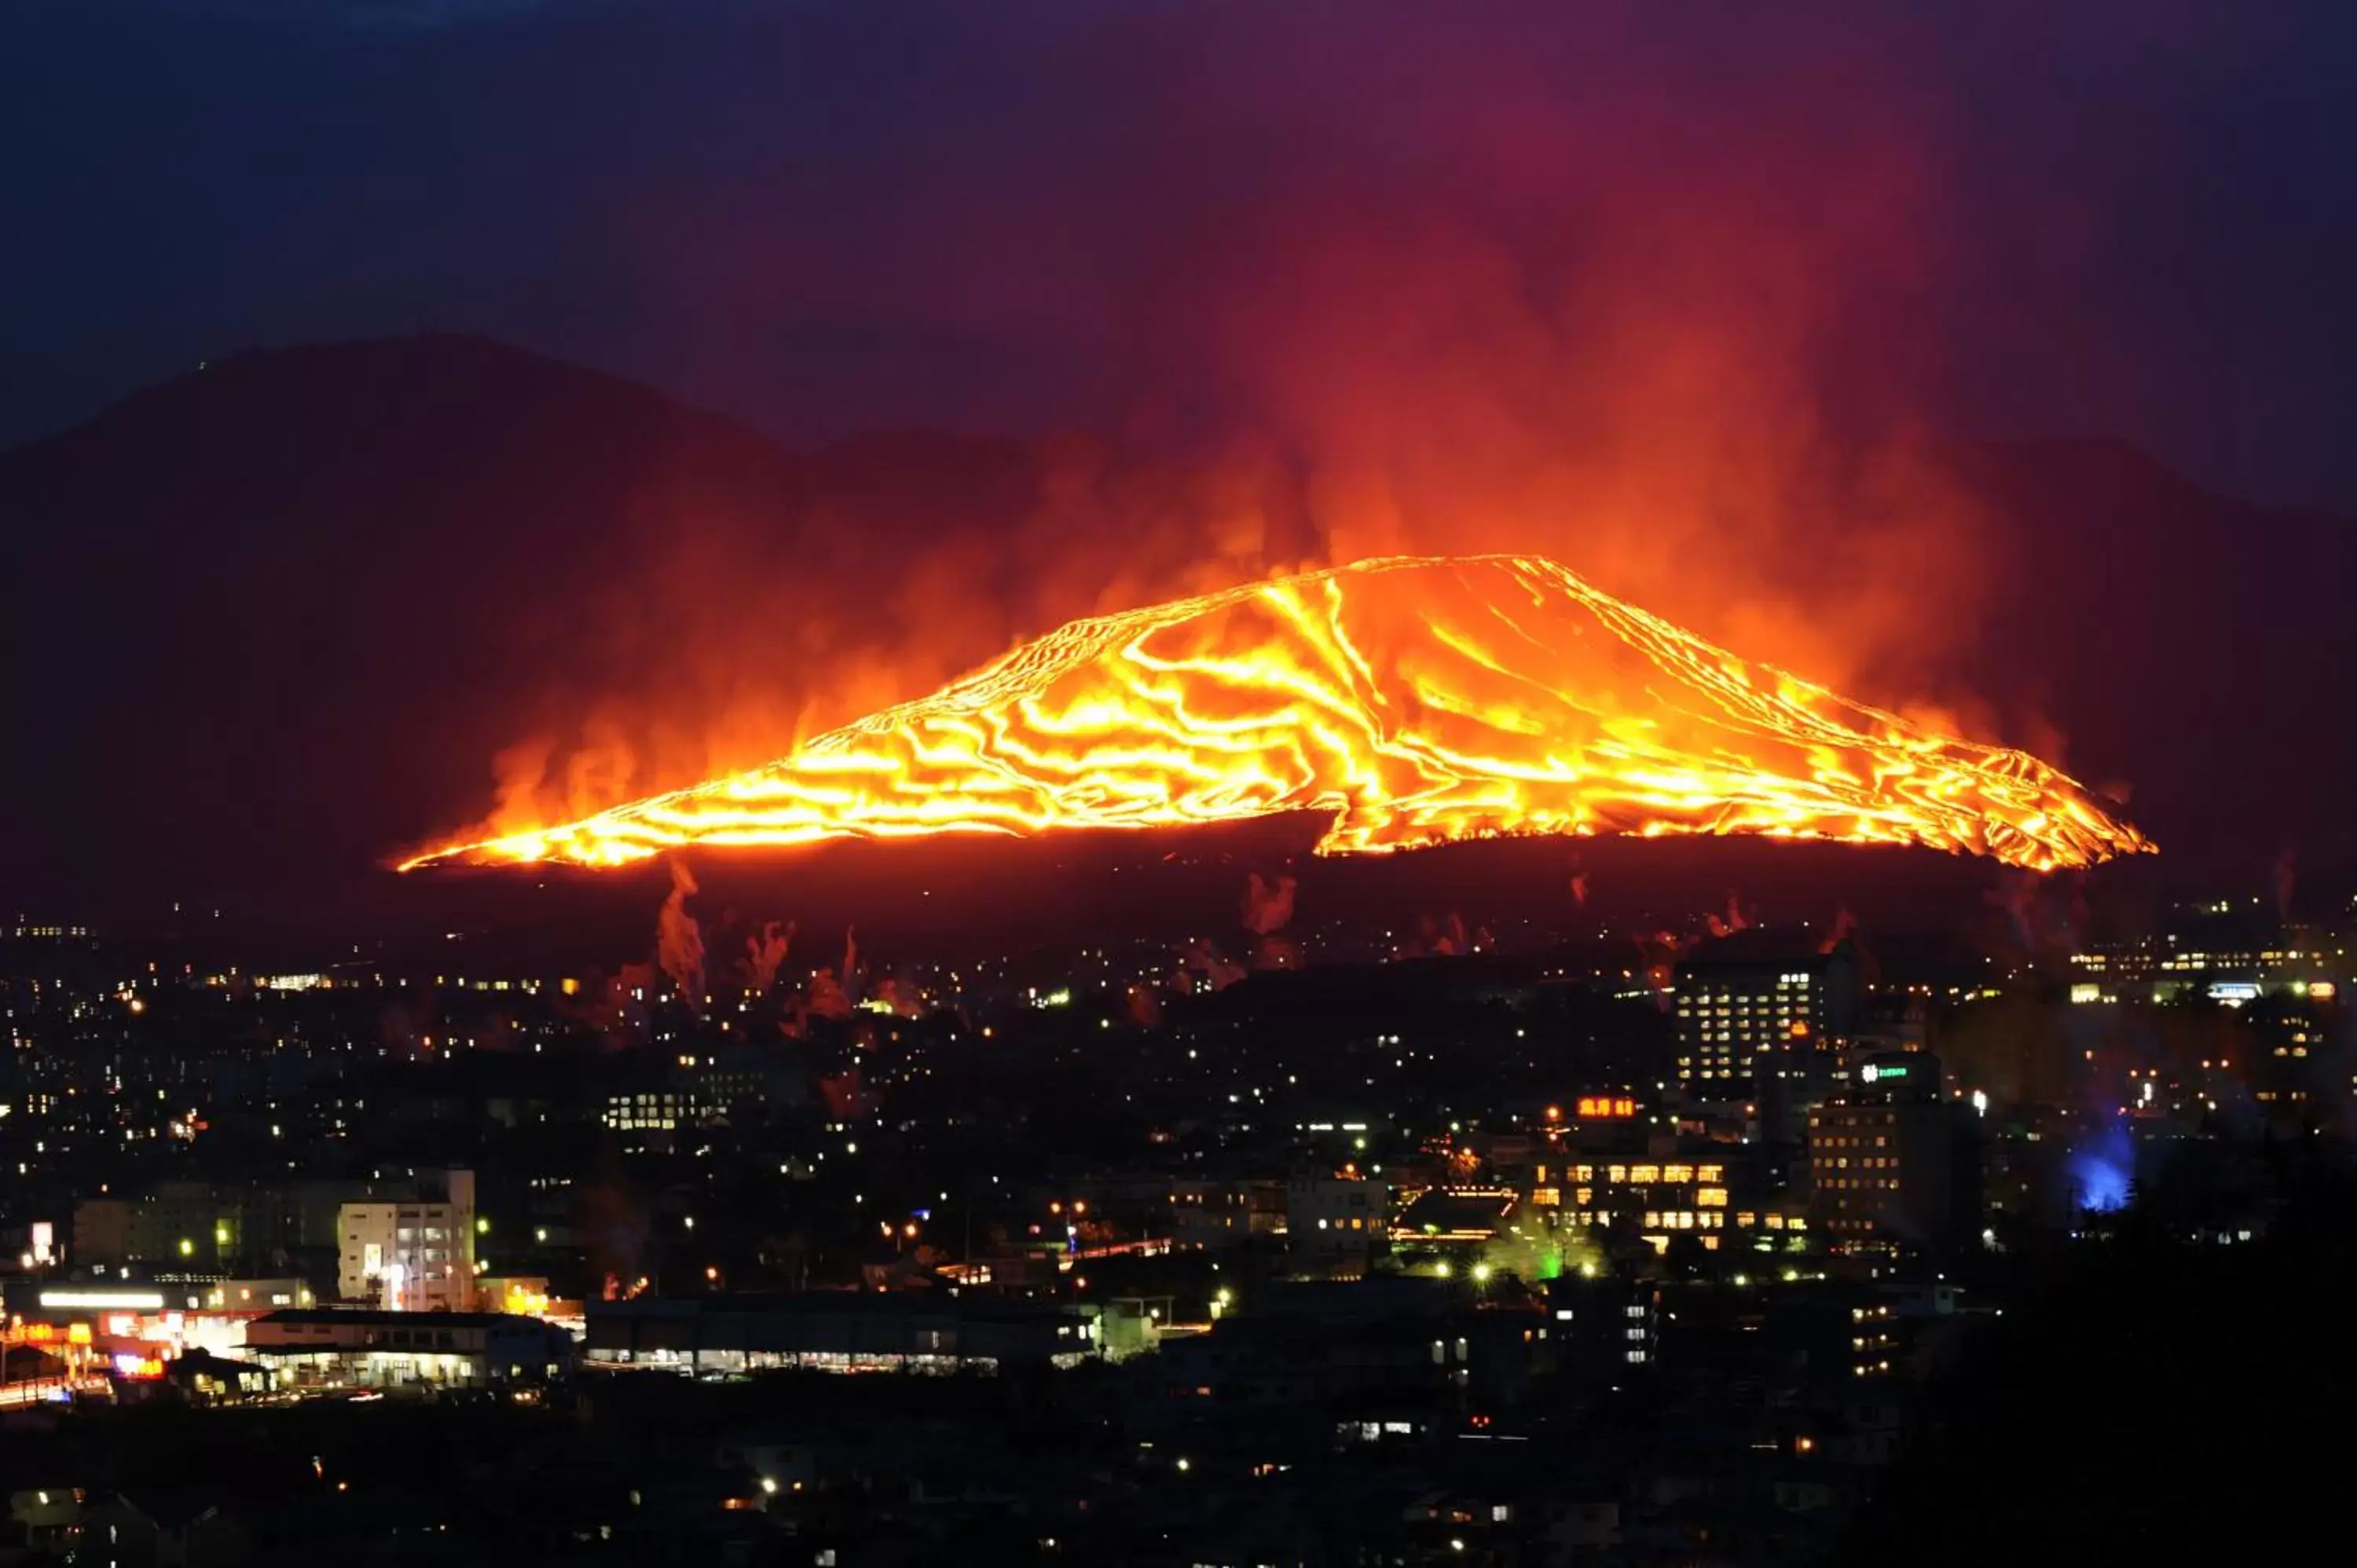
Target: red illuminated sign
[{"x": 1606, "y": 1105}]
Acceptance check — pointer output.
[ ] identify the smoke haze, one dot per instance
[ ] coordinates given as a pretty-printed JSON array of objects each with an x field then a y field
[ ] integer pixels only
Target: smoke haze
[
  {"x": 1647, "y": 301},
  {"x": 1693, "y": 302}
]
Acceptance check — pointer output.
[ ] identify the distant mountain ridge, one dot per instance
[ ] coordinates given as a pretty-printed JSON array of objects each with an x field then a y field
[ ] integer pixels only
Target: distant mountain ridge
[{"x": 270, "y": 622}]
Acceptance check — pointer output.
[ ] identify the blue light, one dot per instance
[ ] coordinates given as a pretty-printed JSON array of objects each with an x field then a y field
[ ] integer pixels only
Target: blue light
[{"x": 2101, "y": 1168}]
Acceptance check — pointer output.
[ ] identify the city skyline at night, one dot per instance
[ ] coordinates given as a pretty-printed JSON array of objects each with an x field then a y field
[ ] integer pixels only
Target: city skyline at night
[{"x": 821, "y": 786}]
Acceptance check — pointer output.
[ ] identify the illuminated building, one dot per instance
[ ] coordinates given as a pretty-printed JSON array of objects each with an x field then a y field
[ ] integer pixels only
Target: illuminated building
[
  {"x": 1888, "y": 1157},
  {"x": 1661, "y": 1198},
  {"x": 1874, "y": 1339},
  {"x": 1616, "y": 1121},
  {"x": 839, "y": 1331},
  {"x": 702, "y": 1087},
  {"x": 1447, "y": 1215},
  {"x": 1736, "y": 1003},
  {"x": 1215, "y": 1214},
  {"x": 352, "y": 1350},
  {"x": 1604, "y": 1328},
  {"x": 2107, "y": 971},
  {"x": 2235, "y": 955},
  {"x": 249, "y": 1295},
  {"x": 660, "y": 1109},
  {"x": 411, "y": 1255},
  {"x": 203, "y": 1377},
  {"x": 1336, "y": 1220},
  {"x": 524, "y": 1295}
]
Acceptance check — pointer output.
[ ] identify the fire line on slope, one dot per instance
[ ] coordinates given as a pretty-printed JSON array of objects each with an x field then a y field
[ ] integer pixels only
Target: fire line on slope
[{"x": 1417, "y": 700}]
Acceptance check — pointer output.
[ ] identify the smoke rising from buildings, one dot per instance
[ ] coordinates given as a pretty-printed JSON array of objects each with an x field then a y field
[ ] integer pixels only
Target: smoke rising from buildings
[
  {"x": 1268, "y": 905},
  {"x": 679, "y": 939},
  {"x": 764, "y": 952}
]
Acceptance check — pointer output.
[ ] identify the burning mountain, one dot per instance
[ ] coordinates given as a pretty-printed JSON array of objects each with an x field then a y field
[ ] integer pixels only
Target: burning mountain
[{"x": 1418, "y": 701}]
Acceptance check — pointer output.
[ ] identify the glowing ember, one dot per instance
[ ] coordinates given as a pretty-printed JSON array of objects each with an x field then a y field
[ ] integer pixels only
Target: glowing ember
[{"x": 1416, "y": 701}]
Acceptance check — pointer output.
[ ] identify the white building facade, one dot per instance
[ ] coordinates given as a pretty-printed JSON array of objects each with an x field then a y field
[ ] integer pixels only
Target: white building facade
[{"x": 410, "y": 1256}]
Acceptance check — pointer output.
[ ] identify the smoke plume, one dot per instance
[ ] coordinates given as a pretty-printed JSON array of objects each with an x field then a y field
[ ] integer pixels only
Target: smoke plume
[
  {"x": 1207, "y": 961},
  {"x": 1666, "y": 326},
  {"x": 1734, "y": 920},
  {"x": 679, "y": 939},
  {"x": 764, "y": 953},
  {"x": 1267, "y": 906}
]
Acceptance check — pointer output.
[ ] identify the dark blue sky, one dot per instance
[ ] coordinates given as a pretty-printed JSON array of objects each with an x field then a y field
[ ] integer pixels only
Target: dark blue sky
[{"x": 1300, "y": 222}]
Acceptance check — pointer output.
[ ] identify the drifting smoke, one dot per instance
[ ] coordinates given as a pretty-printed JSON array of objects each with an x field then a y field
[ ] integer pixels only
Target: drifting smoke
[
  {"x": 1579, "y": 888},
  {"x": 1845, "y": 931},
  {"x": 1268, "y": 905},
  {"x": 679, "y": 939},
  {"x": 1658, "y": 954},
  {"x": 1734, "y": 920},
  {"x": 1666, "y": 323},
  {"x": 1443, "y": 936},
  {"x": 899, "y": 997},
  {"x": 1207, "y": 961},
  {"x": 612, "y": 1009},
  {"x": 831, "y": 993},
  {"x": 2046, "y": 914},
  {"x": 1268, "y": 910},
  {"x": 764, "y": 953},
  {"x": 826, "y": 998}
]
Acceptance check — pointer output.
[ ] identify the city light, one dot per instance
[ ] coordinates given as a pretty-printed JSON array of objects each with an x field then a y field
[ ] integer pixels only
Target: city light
[
  {"x": 102, "y": 1301},
  {"x": 661, "y": 813}
]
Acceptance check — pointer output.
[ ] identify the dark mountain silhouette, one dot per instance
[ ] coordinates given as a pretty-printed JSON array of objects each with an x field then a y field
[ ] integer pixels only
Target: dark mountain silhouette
[
  {"x": 281, "y": 614},
  {"x": 2189, "y": 645},
  {"x": 269, "y": 623}
]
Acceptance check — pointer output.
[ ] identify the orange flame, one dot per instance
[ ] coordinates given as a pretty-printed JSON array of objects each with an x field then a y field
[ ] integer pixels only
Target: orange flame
[{"x": 1418, "y": 701}]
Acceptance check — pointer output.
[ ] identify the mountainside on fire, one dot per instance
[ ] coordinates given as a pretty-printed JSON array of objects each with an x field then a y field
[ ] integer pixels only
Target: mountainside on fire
[{"x": 273, "y": 620}]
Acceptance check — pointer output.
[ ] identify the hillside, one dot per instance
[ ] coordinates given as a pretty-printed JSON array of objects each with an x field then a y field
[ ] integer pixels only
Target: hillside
[{"x": 272, "y": 621}]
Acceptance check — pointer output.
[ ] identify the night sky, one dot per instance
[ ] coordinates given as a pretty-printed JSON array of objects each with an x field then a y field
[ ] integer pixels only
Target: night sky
[{"x": 2136, "y": 219}]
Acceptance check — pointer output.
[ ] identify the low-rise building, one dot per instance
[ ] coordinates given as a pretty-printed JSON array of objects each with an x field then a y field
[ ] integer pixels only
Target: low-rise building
[
  {"x": 360, "y": 1349},
  {"x": 839, "y": 1331},
  {"x": 1334, "y": 1218}
]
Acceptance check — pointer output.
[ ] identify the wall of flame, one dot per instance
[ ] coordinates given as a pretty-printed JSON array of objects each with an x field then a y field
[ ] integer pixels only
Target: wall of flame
[{"x": 1416, "y": 701}]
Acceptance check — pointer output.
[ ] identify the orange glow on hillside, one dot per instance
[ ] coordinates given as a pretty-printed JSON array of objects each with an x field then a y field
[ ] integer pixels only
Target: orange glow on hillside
[{"x": 1417, "y": 700}]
